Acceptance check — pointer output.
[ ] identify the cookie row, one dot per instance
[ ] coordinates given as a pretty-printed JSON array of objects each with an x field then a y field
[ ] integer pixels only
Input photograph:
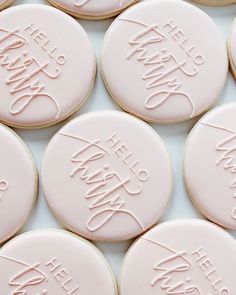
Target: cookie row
[
  {"x": 154, "y": 63},
  {"x": 176, "y": 257},
  {"x": 95, "y": 9},
  {"x": 107, "y": 175}
]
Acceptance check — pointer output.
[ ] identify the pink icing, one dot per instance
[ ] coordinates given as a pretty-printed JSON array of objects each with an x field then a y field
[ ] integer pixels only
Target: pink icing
[
  {"x": 210, "y": 165},
  {"x": 162, "y": 62},
  {"x": 53, "y": 262},
  {"x": 191, "y": 257},
  {"x": 45, "y": 75},
  {"x": 18, "y": 183},
  {"x": 94, "y": 8},
  {"x": 107, "y": 176}
]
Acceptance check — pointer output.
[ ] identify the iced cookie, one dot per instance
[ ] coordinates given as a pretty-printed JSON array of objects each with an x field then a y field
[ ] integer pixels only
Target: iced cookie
[
  {"x": 232, "y": 49},
  {"x": 157, "y": 65},
  {"x": 93, "y": 9},
  {"x": 46, "y": 73},
  {"x": 107, "y": 176},
  {"x": 210, "y": 165},
  {"x": 181, "y": 257},
  {"x": 5, "y": 3},
  {"x": 53, "y": 262},
  {"x": 215, "y": 2},
  {"x": 18, "y": 183}
]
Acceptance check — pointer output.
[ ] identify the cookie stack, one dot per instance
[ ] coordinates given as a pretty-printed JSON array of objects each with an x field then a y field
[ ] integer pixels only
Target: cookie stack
[{"x": 107, "y": 175}]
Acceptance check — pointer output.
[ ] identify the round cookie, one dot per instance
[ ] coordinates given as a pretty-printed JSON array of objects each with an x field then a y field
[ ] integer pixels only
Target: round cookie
[
  {"x": 232, "y": 49},
  {"x": 107, "y": 176},
  {"x": 181, "y": 257},
  {"x": 210, "y": 165},
  {"x": 54, "y": 262},
  {"x": 93, "y": 9},
  {"x": 18, "y": 183},
  {"x": 162, "y": 64},
  {"x": 5, "y": 3},
  {"x": 215, "y": 2},
  {"x": 45, "y": 73}
]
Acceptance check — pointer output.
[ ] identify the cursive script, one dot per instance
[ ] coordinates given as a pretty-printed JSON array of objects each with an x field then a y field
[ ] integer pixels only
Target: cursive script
[
  {"x": 29, "y": 275},
  {"x": 227, "y": 148},
  {"x": 104, "y": 184},
  {"x": 24, "y": 72},
  {"x": 3, "y": 187},
  {"x": 175, "y": 262},
  {"x": 161, "y": 65},
  {"x": 173, "y": 271},
  {"x": 80, "y": 3}
]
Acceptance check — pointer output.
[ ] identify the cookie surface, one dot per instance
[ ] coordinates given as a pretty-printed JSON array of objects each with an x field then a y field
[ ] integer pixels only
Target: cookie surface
[
  {"x": 162, "y": 64},
  {"x": 215, "y": 2},
  {"x": 18, "y": 183},
  {"x": 181, "y": 257},
  {"x": 45, "y": 73},
  {"x": 107, "y": 176},
  {"x": 210, "y": 165},
  {"x": 94, "y": 9},
  {"x": 53, "y": 262}
]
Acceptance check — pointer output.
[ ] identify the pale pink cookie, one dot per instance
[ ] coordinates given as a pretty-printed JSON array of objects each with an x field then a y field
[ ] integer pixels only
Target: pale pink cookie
[
  {"x": 93, "y": 9},
  {"x": 215, "y": 2},
  {"x": 157, "y": 65},
  {"x": 210, "y": 165},
  {"x": 18, "y": 183},
  {"x": 46, "y": 73},
  {"x": 5, "y": 3},
  {"x": 107, "y": 176},
  {"x": 181, "y": 257},
  {"x": 232, "y": 49},
  {"x": 53, "y": 262}
]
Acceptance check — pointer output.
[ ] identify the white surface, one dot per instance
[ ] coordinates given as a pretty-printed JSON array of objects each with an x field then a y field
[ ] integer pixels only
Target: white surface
[{"x": 174, "y": 136}]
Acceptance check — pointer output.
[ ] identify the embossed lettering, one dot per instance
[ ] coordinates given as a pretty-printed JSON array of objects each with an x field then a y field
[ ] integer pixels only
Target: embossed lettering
[
  {"x": 176, "y": 262},
  {"x": 3, "y": 187},
  {"x": 105, "y": 186},
  {"x": 227, "y": 148},
  {"x": 80, "y": 3},
  {"x": 24, "y": 72},
  {"x": 32, "y": 275},
  {"x": 162, "y": 66}
]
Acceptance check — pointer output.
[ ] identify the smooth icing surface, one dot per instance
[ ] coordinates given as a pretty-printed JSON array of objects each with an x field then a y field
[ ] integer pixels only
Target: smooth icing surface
[
  {"x": 53, "y": 262},
  {"x": 179, "y": 258},
  {"x": 210, "y": 165},
  {"x": 163, "y": 61},
  {"x": 45, "y": 72},
  {"x": 107, "y": 176},
  {"x": 18, "y": 183},
  {"x": 93, "y": 8}
]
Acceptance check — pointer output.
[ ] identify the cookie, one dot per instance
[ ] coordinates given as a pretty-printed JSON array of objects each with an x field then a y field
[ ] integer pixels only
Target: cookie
[
  {"x": 5, "y": 3},
  {"x": 18, "y": 183},
  {"x": 156, "y": 63},
  {"x": 210, "y": 165},
  {"x": 232, "y": 49},
  {"x": 93, "y": 9},
  {"x": 46, "y": 74},
  {"x": 54, "y": 262},
  {"x": 107, "y": 176},
  {"x": 215, "y": 2},
  {"x": 181, "y": 257}
]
